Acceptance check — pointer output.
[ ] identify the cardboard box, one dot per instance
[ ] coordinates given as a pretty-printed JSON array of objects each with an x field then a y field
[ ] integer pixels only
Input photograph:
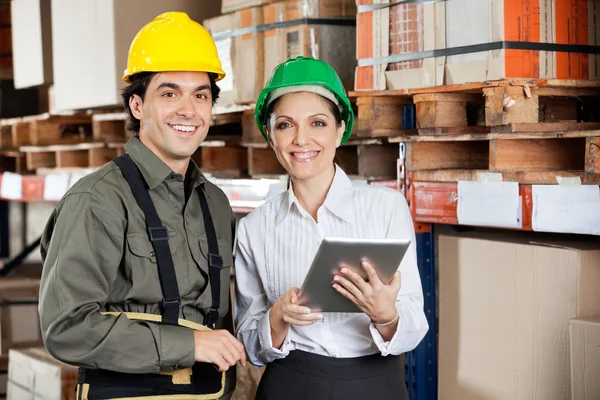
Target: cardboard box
[
  {"x": 333, "y": 43},
  {"x": 237, "y": 5},
  {"x": 395, "y": 30},
  {"x": 91, "y": 41},
  {"x": 585, "y": 358},
  {"x": 538, "y": 21},
  {"x": 33, "y": 374},
  {"x": 31, "y": 43},
  {"x": 224, "y": 25},
  {"x": 248, "y": 63},
  {"x": 3, "y": 375},
  {"x": 19, "y": 319},
  {"x": 505, "y": 302}
]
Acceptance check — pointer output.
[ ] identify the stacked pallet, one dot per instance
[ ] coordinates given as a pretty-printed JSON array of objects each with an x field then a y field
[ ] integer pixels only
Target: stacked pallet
[{"x": 19, "y": 321}]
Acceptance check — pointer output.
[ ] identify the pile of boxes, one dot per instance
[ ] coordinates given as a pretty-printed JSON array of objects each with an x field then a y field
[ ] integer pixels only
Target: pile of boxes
[
  {"x": 451, "y": 42},
  {"x": 27, "y": 370},
  {"x": 254, "y": 36},
  {"x": 519, "y": 317}
]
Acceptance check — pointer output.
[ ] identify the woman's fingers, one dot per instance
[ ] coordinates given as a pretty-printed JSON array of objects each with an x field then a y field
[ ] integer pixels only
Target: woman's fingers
[
  {"x": 356, "y": 279},
  {"x": 345, "y": 293},
  {"x": 350, "y": 287}
]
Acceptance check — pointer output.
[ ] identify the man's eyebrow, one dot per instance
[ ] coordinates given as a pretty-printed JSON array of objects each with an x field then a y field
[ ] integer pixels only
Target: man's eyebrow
[
  {"x": 169, "y": 85},
  {"x": 202, "y": 87}
]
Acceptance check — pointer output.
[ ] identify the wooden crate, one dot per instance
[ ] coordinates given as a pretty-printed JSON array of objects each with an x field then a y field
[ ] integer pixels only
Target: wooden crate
[{"x": 19, "y": 320}]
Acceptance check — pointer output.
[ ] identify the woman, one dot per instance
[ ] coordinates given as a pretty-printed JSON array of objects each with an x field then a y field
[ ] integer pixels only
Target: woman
[{"x": 305, "y": 115}]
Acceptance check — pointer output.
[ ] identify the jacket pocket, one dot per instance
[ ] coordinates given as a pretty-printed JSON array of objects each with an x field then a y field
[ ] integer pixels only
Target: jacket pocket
[
  {"x": 144, "y": 267},
  {"x": 225, "y": 251}
]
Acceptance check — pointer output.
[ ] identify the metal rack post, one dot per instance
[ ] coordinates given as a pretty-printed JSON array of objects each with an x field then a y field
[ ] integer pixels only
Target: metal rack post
[{"x": 421, "y": 363}]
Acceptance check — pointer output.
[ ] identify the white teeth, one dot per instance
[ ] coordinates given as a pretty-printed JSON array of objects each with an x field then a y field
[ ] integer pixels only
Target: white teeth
[
  {"x": 305, "y": 154},
  {"x": 183, "y": 128}
]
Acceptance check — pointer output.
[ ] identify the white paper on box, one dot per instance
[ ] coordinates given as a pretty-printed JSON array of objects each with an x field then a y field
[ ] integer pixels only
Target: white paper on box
[
  {"x": 566, "y": 209},
  {"x": 55, "y": 186},
  {"x": 224, "y": 52},
  {"x": 12, "y": 186},
  {"x": 495, "y": 204}
]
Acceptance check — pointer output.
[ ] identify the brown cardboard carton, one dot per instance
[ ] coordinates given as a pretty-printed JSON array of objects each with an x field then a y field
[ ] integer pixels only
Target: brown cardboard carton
[
  {"x": 237, "y": 5},
  {"x": 585, "y": 358},
  {"x": 224, "y": 25},
  {"x": 31, "y": 43},
  {"x": 248, "y": 63},
  {"x": 90, "y": 43},
  {"x": 19, "y": 320},
  {"x": 35, "y": 375},
  {"x": 537, "y": 21},
  {"x": 504, "y": 309},
  {"x": 332, "y": 43},
  {"x": 397, "y": 30}
]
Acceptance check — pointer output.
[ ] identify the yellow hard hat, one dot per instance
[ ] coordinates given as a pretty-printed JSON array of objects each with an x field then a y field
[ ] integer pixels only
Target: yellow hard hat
[{"x": 173, "y": 42}]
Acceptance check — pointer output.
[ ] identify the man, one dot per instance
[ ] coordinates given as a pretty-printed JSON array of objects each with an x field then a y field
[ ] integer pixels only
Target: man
[{"x": 137, "y": 255}]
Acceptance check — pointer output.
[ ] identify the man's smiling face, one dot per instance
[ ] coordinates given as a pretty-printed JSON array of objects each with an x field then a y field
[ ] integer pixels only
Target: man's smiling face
[{"x": 175, "y": 114}]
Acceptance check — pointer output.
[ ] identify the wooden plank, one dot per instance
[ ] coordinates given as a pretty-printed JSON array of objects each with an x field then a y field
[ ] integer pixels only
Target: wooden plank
[
  {"x": 490, "y": 136},
  {"x": 100, "y": 156},
  {"x": 109, "y": 130},
  {"x": 546, "y": 127},
  {"x": 6, "y": 137},
  {"x": 557, "y": 109},
  {"x": 537, "y": 155},
  {"x": 263, "y": 162},
  {"x": 523, "y": 177},
  {"x": 448, "y": 97},
  {"x": 568, "y": 91},
  {"x": 592, "y": 155},
  {"x": 378, "y": 162},
  {"x": 375, "y": 113},
  {"x": 385, "y": 133},
  {"x": 228, "y": 160},
  {"x": 250, "y": 132},
  {"x": 447, "y": 155},
  {"x": 432, "y": 114},
  {"x": 460, "y": 130},
  {"x": 507, "y": 105},
  {"x": 72, "y": 158},
  {"x": 20, "y": 134},
  {"x": 42, "y": 159}
]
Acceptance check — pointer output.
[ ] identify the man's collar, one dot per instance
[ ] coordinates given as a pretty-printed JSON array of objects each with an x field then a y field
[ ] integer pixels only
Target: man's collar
[
  {"x": 153, "y": 169},
  {"x": 337, "y": 200}
]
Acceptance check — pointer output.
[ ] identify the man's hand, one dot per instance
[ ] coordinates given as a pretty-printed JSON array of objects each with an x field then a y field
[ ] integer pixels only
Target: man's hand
[{"x": 218, "y": 347}]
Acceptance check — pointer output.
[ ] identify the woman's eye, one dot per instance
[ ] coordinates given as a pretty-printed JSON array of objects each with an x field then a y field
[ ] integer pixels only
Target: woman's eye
[
  {"x": 319, "y": 123},
  {"x": 284, "y": 125}
]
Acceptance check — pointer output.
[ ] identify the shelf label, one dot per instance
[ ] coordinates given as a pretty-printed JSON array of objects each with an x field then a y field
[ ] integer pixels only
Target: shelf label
[
  {"x": 12, "y": 186},
  {"x": 566, "y": 209},
  {"x": 489, "y": 203},
  {"x": 55, "y": 186}
]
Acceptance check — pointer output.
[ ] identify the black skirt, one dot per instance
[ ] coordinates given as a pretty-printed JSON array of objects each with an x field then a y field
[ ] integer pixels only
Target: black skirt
[{"x": 304, "y": 376}]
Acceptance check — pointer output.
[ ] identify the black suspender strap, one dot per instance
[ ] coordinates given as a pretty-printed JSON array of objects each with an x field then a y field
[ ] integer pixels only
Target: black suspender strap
[
  {"x": 215, "y": 261},
  {"x": 159, "y": 237}
]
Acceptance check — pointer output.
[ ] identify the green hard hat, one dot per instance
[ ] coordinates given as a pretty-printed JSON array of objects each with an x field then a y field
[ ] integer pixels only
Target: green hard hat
[{"x": 302, "y": 71}]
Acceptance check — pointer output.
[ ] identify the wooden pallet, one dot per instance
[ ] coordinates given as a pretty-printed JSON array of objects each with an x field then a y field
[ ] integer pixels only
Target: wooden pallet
[
  {"x": 82, "y": 155},
  {"x": 529, "y": 158},
  {"x": 365, "y": 159},
  {"x": 498, "y": 106},
  {"x": 43, "y": 129}
]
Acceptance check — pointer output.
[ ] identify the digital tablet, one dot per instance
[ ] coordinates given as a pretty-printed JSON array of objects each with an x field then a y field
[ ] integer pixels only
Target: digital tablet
[{"x": 317, "y": 292}]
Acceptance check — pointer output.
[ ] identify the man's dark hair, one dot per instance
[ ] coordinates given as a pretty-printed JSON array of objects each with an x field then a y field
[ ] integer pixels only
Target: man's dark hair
[{"x": 139, "y": 85}]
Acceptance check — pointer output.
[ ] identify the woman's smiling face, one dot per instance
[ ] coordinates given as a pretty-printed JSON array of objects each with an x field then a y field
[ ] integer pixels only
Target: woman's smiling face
[{"x": 305, "y": 134}]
